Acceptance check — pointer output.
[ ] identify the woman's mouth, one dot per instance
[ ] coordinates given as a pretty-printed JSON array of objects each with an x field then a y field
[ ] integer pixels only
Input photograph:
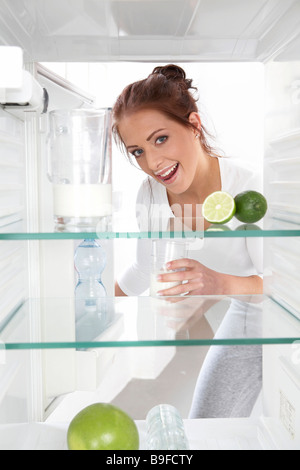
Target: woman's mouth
[{"x": 169, "y": 175}]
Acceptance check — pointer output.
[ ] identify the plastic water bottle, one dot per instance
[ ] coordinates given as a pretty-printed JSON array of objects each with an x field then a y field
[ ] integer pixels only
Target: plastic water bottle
[
  {"x": 90, "y": 261},
  {"x": 165, "y": 429}
]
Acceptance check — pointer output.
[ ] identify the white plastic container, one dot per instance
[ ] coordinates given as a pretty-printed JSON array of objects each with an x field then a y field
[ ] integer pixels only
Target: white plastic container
[{"x": 80, "y": 167}]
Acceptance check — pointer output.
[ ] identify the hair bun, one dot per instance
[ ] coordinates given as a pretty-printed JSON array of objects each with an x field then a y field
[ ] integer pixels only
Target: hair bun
[{"x": 173, "y": 72}]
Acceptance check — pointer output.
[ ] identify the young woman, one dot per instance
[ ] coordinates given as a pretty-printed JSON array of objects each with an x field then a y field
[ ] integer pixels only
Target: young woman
[{"x": 156, "y": 121}]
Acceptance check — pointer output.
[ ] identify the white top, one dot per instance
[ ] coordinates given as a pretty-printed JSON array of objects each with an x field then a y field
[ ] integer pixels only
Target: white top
[{"x": 239, "y": 256}]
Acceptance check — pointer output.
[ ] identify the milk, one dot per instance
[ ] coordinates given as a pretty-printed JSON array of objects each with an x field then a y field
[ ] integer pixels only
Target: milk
[
  {"x": 156, "y": 285},
  {"x": 82, "y": 200}
]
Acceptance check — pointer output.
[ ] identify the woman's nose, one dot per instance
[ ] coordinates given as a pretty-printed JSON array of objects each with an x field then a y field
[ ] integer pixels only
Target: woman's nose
[{"x": 154, "y": 160}]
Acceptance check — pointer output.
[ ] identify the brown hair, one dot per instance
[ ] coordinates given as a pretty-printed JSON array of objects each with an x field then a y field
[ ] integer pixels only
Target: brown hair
[{"x": 167, "y": 90}]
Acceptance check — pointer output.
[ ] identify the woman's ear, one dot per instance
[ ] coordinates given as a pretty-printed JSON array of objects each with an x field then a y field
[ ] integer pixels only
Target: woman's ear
[{"x": 195, "y": 120}]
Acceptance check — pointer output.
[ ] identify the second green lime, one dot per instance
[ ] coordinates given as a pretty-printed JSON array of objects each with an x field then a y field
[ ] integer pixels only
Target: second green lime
[{"x": 251, "y": 206}]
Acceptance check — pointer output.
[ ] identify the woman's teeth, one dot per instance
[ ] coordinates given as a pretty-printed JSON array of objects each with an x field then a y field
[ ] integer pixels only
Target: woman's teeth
[{"x": 169, "y": 171}]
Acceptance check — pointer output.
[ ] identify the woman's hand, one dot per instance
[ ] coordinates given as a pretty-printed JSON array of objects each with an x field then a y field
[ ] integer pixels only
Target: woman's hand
[{"x": 197, "y": 279}]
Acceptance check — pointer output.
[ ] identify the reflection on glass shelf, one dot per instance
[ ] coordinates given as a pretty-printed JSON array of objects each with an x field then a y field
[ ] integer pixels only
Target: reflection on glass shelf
[
  {"x": 147, "y": 321},
  {"x": 121, "y": 228}
]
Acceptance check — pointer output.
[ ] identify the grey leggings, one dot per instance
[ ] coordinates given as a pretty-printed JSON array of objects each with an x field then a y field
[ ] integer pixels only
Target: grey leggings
[{"x": 230, "y": 379}]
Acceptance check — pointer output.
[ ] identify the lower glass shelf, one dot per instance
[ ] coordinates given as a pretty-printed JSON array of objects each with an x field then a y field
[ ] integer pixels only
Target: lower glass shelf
[
  {"x": 202, "y": 434},
  {"x": 146, "y": 321}
]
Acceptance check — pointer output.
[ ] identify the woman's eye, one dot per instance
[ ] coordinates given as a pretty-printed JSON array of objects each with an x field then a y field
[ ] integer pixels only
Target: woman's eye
[
  {"x": 161, "y": 139},
  {"x": 137, "y": 153}
]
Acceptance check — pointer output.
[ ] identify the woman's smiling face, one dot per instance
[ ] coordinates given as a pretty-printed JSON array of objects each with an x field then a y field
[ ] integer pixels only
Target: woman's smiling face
[{"x": 163, "y": 148}]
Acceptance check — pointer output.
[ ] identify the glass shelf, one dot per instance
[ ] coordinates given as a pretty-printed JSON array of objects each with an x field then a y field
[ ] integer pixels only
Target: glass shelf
[
  {"x": 120, "y": 322},
  {"x": 269, "y": 228}
]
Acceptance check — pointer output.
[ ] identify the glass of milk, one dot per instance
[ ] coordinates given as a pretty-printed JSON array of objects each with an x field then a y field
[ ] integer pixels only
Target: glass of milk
[
  {"x": 79, "y": 167},
  {"x": 164, "y": 251}
]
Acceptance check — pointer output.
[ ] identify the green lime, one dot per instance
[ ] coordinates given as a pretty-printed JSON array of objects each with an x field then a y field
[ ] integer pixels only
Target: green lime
[
  {"x": 102, "y": 426},
  {"x": 251, "y": 206},
  {"x": 218, "y": 207}
]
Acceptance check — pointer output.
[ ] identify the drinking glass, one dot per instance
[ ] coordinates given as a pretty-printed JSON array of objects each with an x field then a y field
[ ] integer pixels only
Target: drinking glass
[{"x": 164, "y": 251}]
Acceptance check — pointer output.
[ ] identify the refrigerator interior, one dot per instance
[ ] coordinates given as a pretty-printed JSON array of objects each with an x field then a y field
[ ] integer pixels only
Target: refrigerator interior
[{"x": 196, "y": 31}]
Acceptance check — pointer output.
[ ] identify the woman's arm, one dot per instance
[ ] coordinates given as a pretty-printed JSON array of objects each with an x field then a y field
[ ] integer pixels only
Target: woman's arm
[
  {"x": 118, "y": 291},
  {"x": 238, "y": 285}
]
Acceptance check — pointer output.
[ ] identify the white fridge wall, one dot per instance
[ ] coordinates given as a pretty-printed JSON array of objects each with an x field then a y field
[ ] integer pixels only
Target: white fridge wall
[
  {"x": 282, "y": 175},
  {"x": 282, "y": 188},
  {"x": 281, "y": 384},
  {"x": 15, "y": 399}
]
